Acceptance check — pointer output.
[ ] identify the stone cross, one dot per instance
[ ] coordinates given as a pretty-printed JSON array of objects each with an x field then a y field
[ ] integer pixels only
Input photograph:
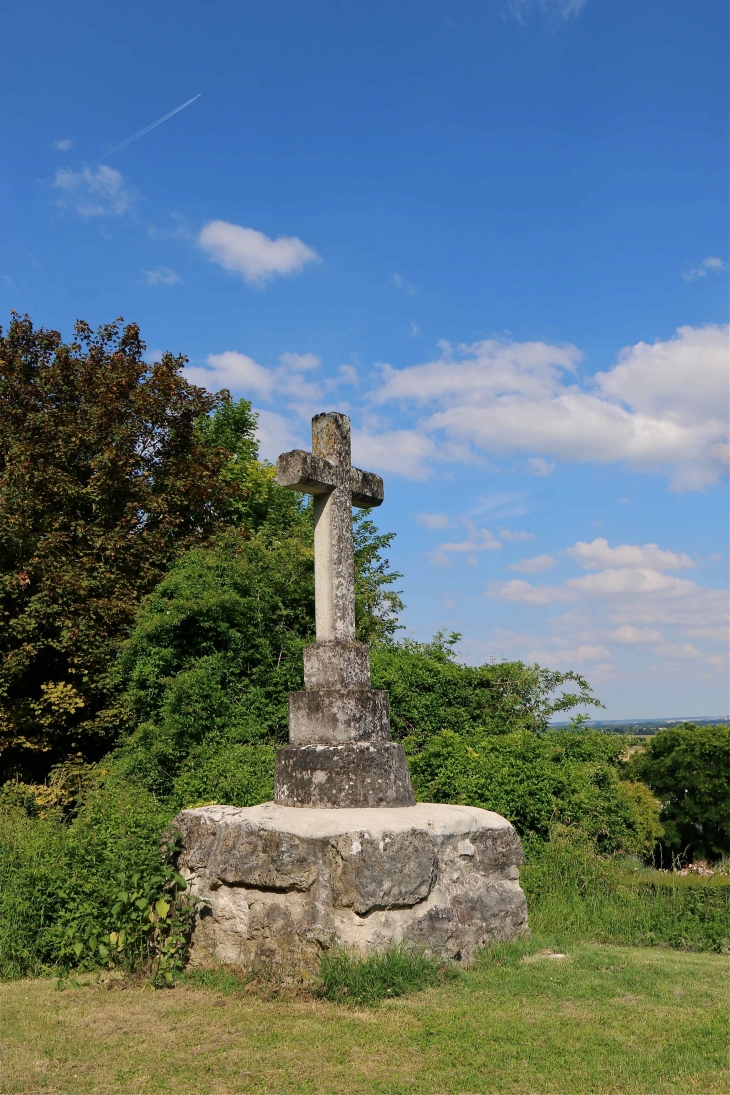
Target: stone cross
[
  {"x": 339, "y": 753},
  {"x": 327, "y": 474}
]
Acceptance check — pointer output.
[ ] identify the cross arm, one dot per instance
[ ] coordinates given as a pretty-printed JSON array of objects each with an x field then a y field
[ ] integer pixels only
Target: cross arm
[
  {"x": 367, "y": 488},
  {"x": 303, "y": 471}
]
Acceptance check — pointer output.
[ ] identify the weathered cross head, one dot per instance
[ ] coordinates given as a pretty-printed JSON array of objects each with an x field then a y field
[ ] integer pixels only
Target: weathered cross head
[{"x": 327, "y": 474}]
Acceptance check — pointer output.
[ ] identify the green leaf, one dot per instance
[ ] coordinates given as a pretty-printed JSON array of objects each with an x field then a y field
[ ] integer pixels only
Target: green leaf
[
  {"x": 103, "y": 951},
  {"x": 180, "y": 881},
  {"x": 141, "y": 903},
  {"x": 78, "y": 947},
  {"x": 162, "y": 908},
  {"x": 92, "y": 943}
]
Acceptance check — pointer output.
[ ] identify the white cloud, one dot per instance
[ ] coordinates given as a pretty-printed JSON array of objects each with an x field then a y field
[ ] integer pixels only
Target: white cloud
[
  {"x": 238, "y": 372},
  {"x": 506, "y": 534},
  {"x": 251, "y": 254},
  {"x": 710, "y": 265},
  {"x": 663, "y": 407},
  {"x": 628, "y": 620},
  {"x": 501, "y": 500},
  {"x": 241, "y": 374},
  {"x": 631, "y": 581},
  {"x": 555, "y": 9},
  {"x": 348, "y": 374},
  {"x": 642, "y": 612},
  {"x": 564, "y": 656},
  {"x": 432, "y": 520},
  {"x": 633, "y": 601},
  {"x": 598, "y": 554},
  {"x": 482, "y": 371},
  {"x": 537, "y": 466},
  {"x": 637, "y": 635},
  {"x": 478, "y": 540},
  {"x": 275, "y": 436},
  {"x": 63, "y": 145},
  {"x": 162, "y": 275},
  {"x": 403, "y": 451},
  {"x": 536, "y": 565},
  {"x": 93, "y": 193},
  {"x": 400, "y": 283},
  {"x": 683, "y": 380},
  {"x": 300, "y": 362},
  {"x": 679, "y": 650}
]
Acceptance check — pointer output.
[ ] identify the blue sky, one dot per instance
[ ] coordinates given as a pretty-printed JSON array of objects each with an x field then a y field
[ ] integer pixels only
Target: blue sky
[{"x": 494, "y": 233}]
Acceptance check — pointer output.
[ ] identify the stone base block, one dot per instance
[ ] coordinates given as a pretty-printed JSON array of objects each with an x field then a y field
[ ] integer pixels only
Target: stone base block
[
  {"x": 340, "y": 663},
  {"x": 338, "y": 715},
  {"x": 356, "y": 774},
  {"x": 278, "y": 885}
]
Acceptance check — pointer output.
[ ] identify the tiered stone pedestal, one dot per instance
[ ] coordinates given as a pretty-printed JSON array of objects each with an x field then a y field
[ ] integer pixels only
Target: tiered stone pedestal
[
  {"x": 340, "y": 753},
  {"x": 279, "y": 883}
]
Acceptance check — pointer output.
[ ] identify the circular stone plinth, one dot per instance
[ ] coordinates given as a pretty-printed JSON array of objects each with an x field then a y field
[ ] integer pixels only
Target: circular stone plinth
[{"x": 278, "y": 884}]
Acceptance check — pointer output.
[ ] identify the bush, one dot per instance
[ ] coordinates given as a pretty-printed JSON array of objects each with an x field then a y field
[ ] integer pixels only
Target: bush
[
  {"x": 210, "y": 664},
  {"x": 572, "y": 893},
  {"x": 570, "y": 778},
  {"x": 60, "y": 885},
  {"x": 430, "y": 692},
  {"x": 688, "y": 769}
]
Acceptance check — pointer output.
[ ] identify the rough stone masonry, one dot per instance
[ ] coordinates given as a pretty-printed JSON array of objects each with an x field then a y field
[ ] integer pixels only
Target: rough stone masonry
[{"x": 344, "y": 855}]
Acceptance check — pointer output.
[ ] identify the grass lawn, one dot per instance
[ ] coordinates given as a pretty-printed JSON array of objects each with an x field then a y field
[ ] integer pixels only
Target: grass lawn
[{"x": 601, "y": 1019}]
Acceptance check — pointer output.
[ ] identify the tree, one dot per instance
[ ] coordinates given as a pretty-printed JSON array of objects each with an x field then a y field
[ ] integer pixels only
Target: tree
[
  {"x": 430, "y": 692},
  {"x": 217, "y": 648},
  {"x": 688, "y": 769},
  {"x": 105, "y": 477},
  {"x": 565, "y": 778}
]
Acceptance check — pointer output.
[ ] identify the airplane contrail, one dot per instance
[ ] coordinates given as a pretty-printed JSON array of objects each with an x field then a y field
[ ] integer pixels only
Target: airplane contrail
[{"x": 146, "y": 129}]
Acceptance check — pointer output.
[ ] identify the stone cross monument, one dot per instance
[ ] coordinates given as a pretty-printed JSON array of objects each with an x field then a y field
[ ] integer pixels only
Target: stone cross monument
[
  {"x": 339, "y": 728},
  {"x": 343, "y": 856}
]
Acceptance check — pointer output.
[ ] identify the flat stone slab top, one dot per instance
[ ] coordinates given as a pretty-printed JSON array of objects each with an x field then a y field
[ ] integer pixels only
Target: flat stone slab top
[
  {"x": 279, "y": 884},
  {"x": 440, "y": 819}
]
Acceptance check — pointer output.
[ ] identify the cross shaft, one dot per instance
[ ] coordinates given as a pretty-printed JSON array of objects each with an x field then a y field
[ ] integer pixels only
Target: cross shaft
[{"x": 327, "y": 474}]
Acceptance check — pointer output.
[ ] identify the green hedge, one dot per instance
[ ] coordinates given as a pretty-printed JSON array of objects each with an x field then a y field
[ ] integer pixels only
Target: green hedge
[{"x": 573, "y": 893}]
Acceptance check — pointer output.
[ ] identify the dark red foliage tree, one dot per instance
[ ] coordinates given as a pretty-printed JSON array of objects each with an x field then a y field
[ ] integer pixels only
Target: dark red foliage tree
[{"x": 104, "y": 479}]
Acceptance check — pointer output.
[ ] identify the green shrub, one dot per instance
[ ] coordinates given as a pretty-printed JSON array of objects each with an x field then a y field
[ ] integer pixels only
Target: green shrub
[
  {"x": 60, "y": 885},
  {"x": 348, "y": 978},
  {"x": 430, "y": 692},
  {"x": 573, "y": 893},
  {"x": 688, "y": 769},
  {"x": 217, "y": 649},
  {"x": 570, "y": 778}
]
